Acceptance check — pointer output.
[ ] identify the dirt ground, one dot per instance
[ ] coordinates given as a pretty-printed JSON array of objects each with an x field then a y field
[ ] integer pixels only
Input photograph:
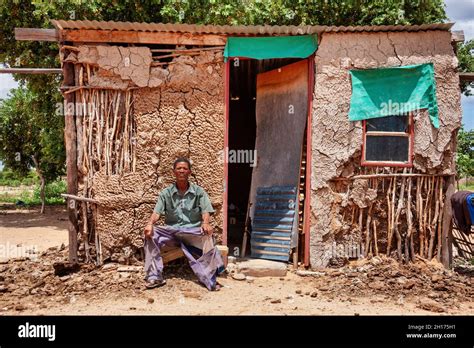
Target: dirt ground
[
  {"x": 27, "y": 229},
  {"x": 380, "y": 286}
]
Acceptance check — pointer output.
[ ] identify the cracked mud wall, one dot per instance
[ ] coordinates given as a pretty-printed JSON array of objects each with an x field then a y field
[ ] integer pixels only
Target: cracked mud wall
[
  {"x": 178, "y": 111},
  {"x": 336, "y": 142}
]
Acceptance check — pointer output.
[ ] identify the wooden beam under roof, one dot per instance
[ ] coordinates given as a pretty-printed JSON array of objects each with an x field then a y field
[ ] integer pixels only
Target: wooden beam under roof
[
  {"x": 143, "y": 37},
  {"x": 36, "y": 34},
  {"x": 30, "y": 71},
  {"x": 466, "y": 76},
  {"x": 457, "y": 35}
]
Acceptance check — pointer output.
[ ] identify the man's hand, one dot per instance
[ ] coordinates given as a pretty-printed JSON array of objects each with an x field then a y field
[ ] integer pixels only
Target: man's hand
[
  {"x": 206, "y": 228},
  {"x": 149, "y": 231}
]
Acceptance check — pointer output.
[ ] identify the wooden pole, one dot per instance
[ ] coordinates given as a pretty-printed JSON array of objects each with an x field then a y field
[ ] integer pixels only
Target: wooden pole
[
  {"x": 71, "y": 161},
  {"x": 35, "y": 71},
  {"x": 446, "y": 233}
]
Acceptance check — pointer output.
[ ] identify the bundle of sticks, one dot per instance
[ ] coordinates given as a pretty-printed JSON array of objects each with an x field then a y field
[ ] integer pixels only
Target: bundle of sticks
[{"x": 414, "y": 205}]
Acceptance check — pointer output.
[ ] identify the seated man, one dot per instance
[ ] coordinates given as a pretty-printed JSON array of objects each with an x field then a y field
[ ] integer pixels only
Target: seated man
[{"x": 187, "y": 209}]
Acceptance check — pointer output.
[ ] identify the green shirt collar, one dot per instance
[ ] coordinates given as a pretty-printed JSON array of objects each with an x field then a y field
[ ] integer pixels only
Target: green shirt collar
[{"x": 191, "y": 189}]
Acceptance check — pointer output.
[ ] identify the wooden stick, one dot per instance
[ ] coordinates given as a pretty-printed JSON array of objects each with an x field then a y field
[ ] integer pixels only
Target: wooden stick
[
  {"x": 387, "y": 175},
  {"x": 392, "y": 222},
  {"x": 376, "y": 248},
  {"x": 420, "y": 216},
  {"x": 434, "y": 221},
  {"x": 367, "y": 232},
  {"x": 78, "y": 198},
  {"x": 409, "y": 223},
  {"x": 397, "y": 216},
  {"x": 85, "y": 231},
  {"x": 389, "y": 210},
  {"x": 176, "y": 55},
  {"x": 187, "y": 49},
  {"x": 440, "y": 219}
]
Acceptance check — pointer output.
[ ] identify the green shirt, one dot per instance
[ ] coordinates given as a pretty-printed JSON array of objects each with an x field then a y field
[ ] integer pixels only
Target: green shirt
[{"x": 183, "y": 210}]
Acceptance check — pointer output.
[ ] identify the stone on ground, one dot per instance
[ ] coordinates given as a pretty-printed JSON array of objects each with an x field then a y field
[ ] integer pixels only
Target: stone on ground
[{"x": 262, "y": 268}]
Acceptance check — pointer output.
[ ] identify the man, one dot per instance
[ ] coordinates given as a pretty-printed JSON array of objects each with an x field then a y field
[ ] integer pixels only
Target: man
[{"x": 187, "y": 210}]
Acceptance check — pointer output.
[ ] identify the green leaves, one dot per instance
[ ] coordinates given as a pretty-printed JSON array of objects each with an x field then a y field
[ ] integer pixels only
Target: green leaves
[
  {"x": 466, "y": 64},
  {"x": 465, "y": 153}
]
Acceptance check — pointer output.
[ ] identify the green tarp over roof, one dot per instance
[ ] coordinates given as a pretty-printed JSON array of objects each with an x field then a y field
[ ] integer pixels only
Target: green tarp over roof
[
  {"x": 298, "y": 46},
  {"x": 393, "y": 91}
]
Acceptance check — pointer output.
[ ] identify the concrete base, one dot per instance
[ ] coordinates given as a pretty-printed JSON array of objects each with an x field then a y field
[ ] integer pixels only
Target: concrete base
[{"x": 262, "y": 268}]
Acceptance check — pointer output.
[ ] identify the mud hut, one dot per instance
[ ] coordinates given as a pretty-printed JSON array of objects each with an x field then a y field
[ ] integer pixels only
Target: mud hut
[{"x": 324, "y": 143}]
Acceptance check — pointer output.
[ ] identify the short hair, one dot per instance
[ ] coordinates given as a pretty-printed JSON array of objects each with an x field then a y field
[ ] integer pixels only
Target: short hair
[{"x": 182, "y": 159}]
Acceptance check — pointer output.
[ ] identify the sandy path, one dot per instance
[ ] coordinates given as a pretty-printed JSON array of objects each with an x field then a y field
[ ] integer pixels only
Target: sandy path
[{"x": 25, "y": 229}]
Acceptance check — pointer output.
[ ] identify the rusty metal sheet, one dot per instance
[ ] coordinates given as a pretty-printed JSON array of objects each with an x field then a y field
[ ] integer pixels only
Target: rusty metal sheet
[{"x": 281, "y": 114}]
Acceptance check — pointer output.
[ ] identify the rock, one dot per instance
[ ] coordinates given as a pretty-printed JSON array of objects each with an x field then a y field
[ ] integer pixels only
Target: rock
[
  {"x": 20, "y": 307},
  {"x": 262, "y": 268},
  {"x": 409, "y": 284},
  {"x": 314, "y": 294},
  {"x": 109, "y": 266},
  {"x": 65, "y": 278},
  {"x": 3, "y": 288},
  {"x": 298, "y": 291},
  {"x": 150, "y": 300},
  {"x": 231, "y": 268},
  {"x": 192, "y": 294},
  {"x": 433, "y": 295},
  {"x": 238, "y": 276},
  {"x": 38, "y": 284},
  {"x": 307, "y": 293},
  {"x": 324, "y": 288},
  {"x": 376, "y": 260},
  {"x": 304, "y": 273},
  {"x": 431, "y": 305},
  {"x": 436, "y": 278},
  {"x": 376, "y": 285},
  {"x": 395, "y": 273},
  {"x": 275, "y": 301},
  {"x": 132, "y": 308},
  {"x": 250, "y": 279},
  {"x": 65, "y": 268},
  {"x": 352, "y": 274},
  {"x": 440, "y": 287},
  {"x": 129, "y": 269},
  {"x": 402, "y": 280}
]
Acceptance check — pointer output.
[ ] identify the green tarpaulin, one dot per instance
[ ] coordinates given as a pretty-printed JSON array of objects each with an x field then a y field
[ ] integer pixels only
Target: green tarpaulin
[
  {"x": 299, "y": 46},
  {"x": 393, "y": 91}
]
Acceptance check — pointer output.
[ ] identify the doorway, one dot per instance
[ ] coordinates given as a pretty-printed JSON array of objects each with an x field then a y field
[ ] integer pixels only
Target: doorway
[{"x": 241, "y": 143}]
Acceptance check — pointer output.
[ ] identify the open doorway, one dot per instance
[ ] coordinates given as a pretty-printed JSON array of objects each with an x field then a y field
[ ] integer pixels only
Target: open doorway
[{"x": 241, "y": 146}]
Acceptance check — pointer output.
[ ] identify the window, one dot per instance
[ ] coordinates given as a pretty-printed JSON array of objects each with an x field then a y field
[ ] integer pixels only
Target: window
[{"x": 388, "y": 141}]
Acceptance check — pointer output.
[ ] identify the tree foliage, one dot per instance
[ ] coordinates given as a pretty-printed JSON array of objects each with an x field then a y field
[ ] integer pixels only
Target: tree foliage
[
  {"x": 465, "y": 154},
  {"x": 466, "y": 63},
  {"x": 31, "y": 135}
]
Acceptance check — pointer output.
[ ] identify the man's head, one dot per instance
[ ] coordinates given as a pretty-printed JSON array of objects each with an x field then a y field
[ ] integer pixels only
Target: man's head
[{"x": 182, "y": 169}]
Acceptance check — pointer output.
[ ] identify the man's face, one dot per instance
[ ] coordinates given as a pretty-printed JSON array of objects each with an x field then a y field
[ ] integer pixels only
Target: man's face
[{"x": 182, "y": 171}]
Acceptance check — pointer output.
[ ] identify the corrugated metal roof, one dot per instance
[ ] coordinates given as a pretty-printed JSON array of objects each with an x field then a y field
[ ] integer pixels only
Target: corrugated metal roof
[{"x": 239, "y": 29}]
